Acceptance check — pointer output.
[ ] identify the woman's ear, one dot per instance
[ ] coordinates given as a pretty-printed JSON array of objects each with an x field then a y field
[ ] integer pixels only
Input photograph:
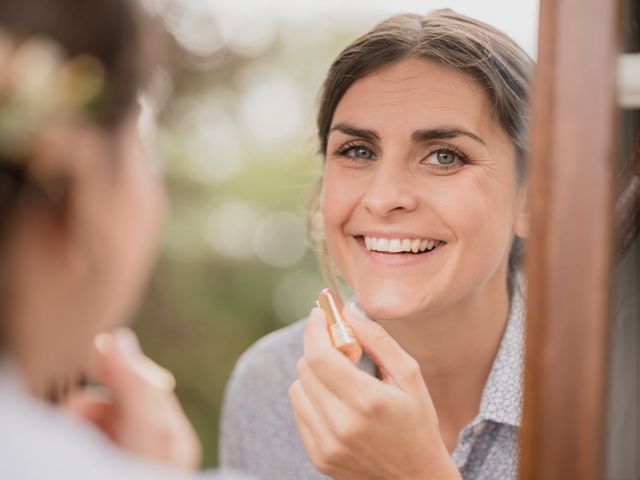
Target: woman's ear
[
  {"x": 67, "y": 168},
  {"x": 521, "y": 226}
]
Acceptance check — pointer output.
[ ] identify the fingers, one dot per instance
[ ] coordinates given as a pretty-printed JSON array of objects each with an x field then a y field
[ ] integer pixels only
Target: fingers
[
  {"x": 316, "y": 335},
  {"x": 123, "y": 367},
  {"x": 314, "y": 432},
  {"x": 329, "y": 407},
  {"x": 342, "y": 411},
  {"x": 306, "y": 415},
  {"x": 308, "y": 440},
  {"x": 337, "y": 374},
  {"x": 94, "y": 407},
  {"x": 149, "y": 421},
  {"x": 396, "y": 365}
]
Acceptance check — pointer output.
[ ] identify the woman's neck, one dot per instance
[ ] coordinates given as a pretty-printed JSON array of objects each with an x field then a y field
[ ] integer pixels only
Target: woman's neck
[{"x": 455, "y": 349}]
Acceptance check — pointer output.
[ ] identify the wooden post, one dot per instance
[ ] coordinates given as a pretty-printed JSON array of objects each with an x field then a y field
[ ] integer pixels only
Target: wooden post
[{"x": 571, "y": 247}]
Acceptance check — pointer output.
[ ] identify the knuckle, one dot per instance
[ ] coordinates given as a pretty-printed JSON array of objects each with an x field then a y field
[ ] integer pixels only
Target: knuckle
[
  {"x": 315, "y": 361},
  {"x": 372, "y": 405},
  {"x": 378, "y": 332},
  {"x": 413, "y": 372},
  {"x": 164, "y": 435},
  {"x": 331, "y": 454},
  {"x": 294, "y": 392},
  {"x": 308, "y": 326},
  {"x": 346, "y": 430},
  {"x": 321, "y": 465},
  {"x": 291, "y": 391},
  {"x": 301, "y": 366}
]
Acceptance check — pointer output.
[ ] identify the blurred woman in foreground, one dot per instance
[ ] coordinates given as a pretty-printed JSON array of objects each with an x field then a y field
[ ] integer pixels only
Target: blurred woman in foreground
[{"x": 81, "y": 205}]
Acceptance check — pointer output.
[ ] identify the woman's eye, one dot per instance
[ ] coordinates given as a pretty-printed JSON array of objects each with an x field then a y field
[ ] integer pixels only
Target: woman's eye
[
  {"x": 444, "y": 158},
  {"x": 358, "y": 152}
]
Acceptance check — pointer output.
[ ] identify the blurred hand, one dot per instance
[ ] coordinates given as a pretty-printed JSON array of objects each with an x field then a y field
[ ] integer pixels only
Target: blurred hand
[
  {"x": 355, "y": 426},
  {"x": 139, "y": 410}
]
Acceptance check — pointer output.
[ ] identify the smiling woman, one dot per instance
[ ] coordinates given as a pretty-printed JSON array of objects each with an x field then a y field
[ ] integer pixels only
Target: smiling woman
[
  {"x": 422, "y": 126},
  {"x": 419, "y": 166}
]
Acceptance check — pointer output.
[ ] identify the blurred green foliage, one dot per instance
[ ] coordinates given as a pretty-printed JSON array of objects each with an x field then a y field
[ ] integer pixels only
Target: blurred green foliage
[
  {"x": 206, "y": 305},
  {"x": 237, "y": 139}
]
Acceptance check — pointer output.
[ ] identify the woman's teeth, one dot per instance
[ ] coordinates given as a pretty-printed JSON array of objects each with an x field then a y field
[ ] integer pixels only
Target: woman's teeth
[{"x": 396, "y": 245}]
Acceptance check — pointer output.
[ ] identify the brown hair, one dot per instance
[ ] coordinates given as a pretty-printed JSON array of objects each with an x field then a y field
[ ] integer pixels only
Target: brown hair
[
  {"x": 447, "y": 38},
  {"x": 111, "y": 32},
  {"x": 108, "y": 30}
]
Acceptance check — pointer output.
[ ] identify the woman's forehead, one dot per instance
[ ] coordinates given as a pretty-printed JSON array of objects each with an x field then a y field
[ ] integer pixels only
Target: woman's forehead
[{"x": 415, "y": 94}]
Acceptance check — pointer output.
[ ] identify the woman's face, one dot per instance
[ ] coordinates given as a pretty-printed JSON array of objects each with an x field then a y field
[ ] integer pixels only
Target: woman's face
[
  {"x": 133, "y": 218},
  {"x": 420, "y": 200},
  {"x": 74, "y": 279}
]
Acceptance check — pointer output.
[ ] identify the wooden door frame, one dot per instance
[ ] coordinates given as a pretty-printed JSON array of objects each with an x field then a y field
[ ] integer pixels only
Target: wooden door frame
[{"x": 571, "y": 246}]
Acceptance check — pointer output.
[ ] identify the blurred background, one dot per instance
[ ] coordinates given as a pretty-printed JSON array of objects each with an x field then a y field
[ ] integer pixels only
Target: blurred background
[{"x": 238, "y": 144}]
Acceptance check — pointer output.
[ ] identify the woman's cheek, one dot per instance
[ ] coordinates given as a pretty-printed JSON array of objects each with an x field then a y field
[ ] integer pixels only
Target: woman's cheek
[
  {"x": 332, "y": 225},
  {"x": 336, "y": 198},
  {"x": 467, "y": 213},
  {"x": 337, "y": 203},
  {"x": 484, "y": 238}
]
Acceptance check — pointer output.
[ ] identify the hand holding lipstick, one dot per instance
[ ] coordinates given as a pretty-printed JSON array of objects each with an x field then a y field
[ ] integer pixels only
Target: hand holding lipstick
[{"x": 355, "y": 426}]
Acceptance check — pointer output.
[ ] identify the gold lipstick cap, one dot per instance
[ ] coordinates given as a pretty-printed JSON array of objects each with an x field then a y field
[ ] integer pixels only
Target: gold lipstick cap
[{"x": 340, "y": 331}]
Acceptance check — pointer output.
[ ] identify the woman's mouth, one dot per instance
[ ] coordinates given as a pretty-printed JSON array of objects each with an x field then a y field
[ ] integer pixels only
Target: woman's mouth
[{"x": 398, "y": 251}]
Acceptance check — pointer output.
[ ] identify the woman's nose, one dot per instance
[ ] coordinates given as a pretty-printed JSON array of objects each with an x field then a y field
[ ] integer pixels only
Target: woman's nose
[{"x": 390, "y": 191}]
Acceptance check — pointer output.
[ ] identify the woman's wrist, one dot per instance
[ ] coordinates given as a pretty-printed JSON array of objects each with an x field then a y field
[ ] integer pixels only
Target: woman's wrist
[{"x": 439, "y": 466}]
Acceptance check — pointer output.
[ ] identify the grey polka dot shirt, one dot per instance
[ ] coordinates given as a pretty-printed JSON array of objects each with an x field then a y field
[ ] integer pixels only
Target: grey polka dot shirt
[{"x": 259, "y": 435}]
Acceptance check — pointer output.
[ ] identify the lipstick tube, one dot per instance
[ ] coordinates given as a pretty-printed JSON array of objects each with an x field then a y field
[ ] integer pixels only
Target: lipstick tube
[{"x": 341, "y": 333}]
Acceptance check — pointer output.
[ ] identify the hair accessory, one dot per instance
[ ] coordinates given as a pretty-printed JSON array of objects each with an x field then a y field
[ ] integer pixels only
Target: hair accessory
[{"x": 39, "y": 85}]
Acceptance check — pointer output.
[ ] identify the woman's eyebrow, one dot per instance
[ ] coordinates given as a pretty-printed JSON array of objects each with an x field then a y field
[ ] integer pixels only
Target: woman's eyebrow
[
  {"x": 348, "y": 129},
  {"x": 444, "y": 132},
  {"x": 422, "y": 135}
]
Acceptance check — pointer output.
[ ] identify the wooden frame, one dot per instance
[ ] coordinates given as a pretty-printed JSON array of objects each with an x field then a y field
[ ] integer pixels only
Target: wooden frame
[{"x": 571, "y": 247}]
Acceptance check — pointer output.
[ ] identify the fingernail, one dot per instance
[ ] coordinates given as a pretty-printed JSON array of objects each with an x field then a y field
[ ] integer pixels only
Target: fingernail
[
  {"x": 159, "y": 377},
  {"x": 356, "y": 312},
  {"x": 101, "y": 341},
  {"x": 127, "y": 342},
  {"x": 153, "y": 373}
]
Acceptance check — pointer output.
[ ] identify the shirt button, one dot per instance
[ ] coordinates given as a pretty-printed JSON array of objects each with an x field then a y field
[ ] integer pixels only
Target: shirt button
[{"x": 477, "y": 429}]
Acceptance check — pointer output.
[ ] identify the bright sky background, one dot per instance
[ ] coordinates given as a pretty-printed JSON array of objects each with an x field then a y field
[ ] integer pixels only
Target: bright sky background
[
  {"x": 261, "y": 118},
  {"x": 518, "y": 18}
]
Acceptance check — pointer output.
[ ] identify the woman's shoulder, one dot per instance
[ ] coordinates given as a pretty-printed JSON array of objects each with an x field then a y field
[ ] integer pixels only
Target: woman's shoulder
[
  {"x": 257, "y": 424},
  {"x": 40, "y": 441}
]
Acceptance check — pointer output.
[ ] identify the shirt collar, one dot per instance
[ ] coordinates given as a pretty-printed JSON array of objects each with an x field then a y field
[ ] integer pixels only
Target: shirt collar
[
  {"x": 503, "y": 393},
  {"x": 502, "y": 396}
]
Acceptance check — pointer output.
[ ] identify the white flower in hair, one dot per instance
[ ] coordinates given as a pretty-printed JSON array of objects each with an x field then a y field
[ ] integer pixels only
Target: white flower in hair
[{"x": 39, "y": 85}]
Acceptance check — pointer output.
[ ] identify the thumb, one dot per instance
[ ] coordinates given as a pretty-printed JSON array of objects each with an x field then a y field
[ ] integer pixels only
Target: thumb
[
  {"x": 122, "y": 367},
  {"x": 396, "y": 366}
]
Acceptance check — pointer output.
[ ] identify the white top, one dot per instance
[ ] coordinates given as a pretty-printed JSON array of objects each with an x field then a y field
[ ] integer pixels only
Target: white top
[{"x": 39, "y": 441}]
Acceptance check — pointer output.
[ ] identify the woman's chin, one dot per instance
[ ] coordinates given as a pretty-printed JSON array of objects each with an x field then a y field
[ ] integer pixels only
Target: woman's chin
[{"x": 390, "y": 309}]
